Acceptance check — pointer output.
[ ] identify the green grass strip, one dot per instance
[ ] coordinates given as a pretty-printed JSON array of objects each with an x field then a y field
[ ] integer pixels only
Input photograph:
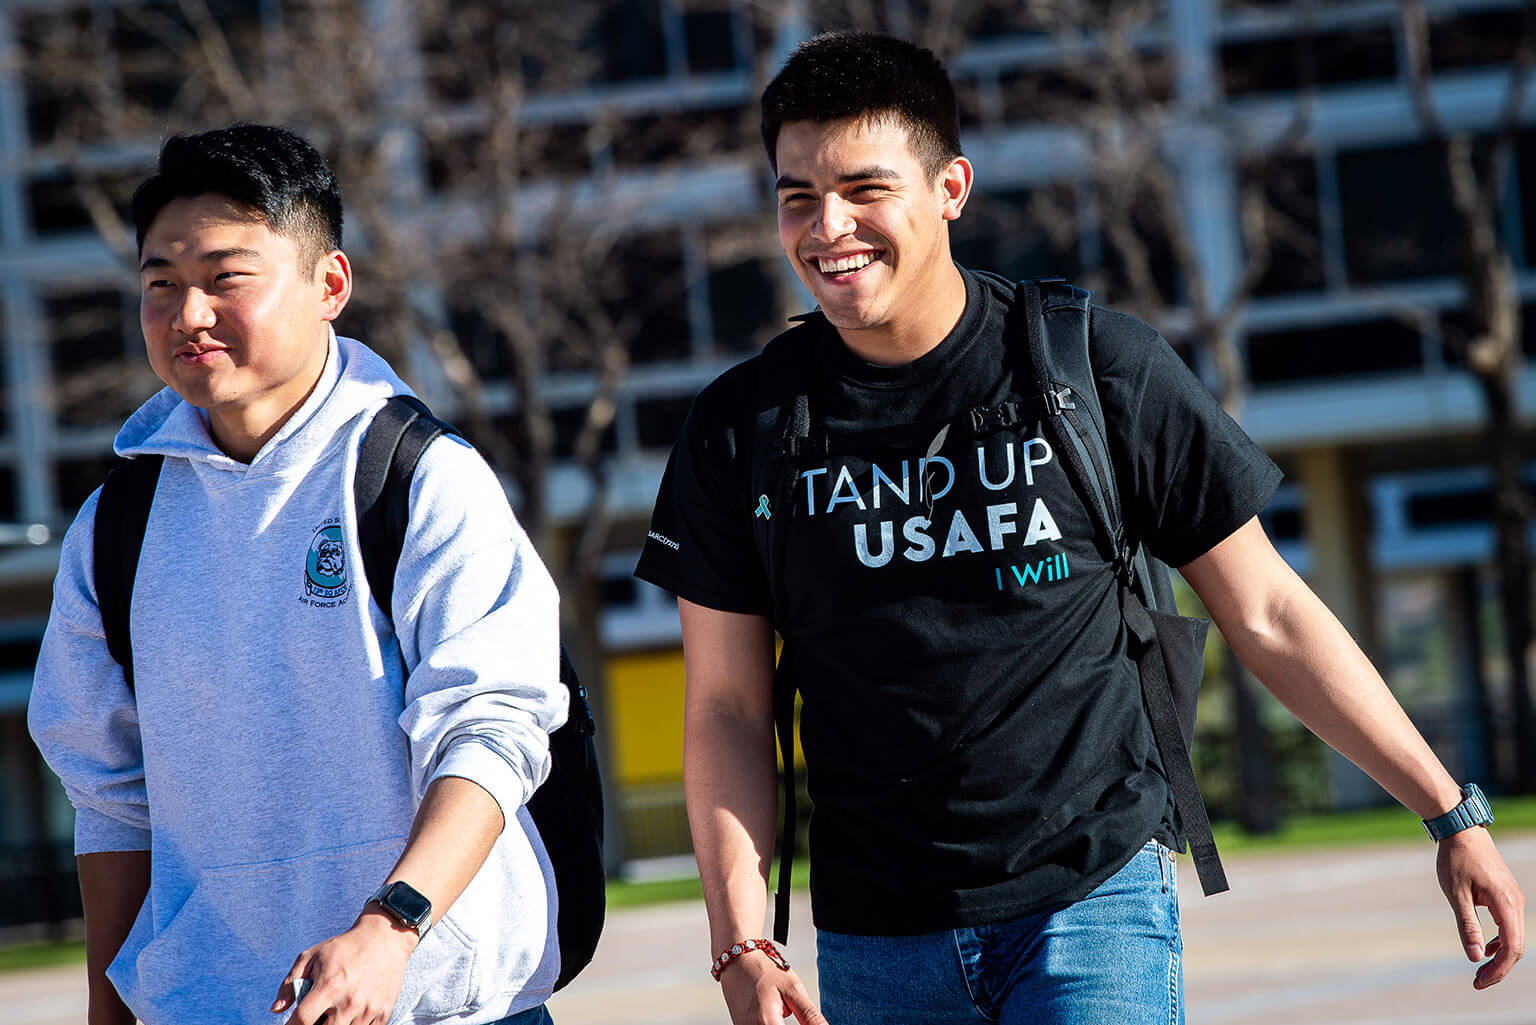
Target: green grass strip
[
  {"x": 1371, "y": 825},
  {"x": 32, "y": 956}
]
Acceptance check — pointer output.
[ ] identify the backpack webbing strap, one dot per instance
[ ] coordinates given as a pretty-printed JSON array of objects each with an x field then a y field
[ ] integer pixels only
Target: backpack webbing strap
[
  {"x": 784, "y": 726},
  {"x": 797, "y": 425},
  {"x": 386, "y": 461},
  {"x": 122, "y": 515},
  {"x": 1157, "y": 691},
  {"x": 784, "y": 422}
]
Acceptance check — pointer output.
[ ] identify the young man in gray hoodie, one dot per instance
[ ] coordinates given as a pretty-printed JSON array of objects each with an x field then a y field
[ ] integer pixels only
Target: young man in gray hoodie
[{"x": 297, "y": 775}]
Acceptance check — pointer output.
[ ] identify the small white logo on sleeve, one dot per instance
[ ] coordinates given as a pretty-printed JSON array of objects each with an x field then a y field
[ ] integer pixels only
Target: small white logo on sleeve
[{"x": 664, "y": 540}]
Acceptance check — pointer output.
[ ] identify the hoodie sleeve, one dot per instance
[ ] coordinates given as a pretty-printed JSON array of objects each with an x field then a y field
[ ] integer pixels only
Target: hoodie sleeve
[
  {"x": 82, "y": 714},
  {"x": 477, "y": 616}
]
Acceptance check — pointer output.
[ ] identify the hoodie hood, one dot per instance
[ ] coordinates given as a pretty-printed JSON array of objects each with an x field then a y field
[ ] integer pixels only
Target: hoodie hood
[{"x": 355, "y": 378}]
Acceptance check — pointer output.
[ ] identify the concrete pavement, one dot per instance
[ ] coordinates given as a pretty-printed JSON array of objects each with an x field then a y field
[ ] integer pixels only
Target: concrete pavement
[{"x": 1358, "y": 936}]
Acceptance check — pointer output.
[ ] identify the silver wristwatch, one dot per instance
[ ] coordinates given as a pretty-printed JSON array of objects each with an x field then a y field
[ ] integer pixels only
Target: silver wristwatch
[{"x": 405, "y": 904}]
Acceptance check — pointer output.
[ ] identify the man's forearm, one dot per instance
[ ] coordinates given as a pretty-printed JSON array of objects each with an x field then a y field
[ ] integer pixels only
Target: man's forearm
[
  {"x": 453, "y": 833},
  {"x": 1285, "y": 634},
  {"x": 113, "y": 885},
  {"x": 732, "y": 794},
  {"x": 1308, "y": 660}
]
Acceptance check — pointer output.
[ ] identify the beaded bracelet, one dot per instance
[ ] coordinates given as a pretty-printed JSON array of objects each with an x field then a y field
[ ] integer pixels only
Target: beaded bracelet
[{"x": 745, "y": 947}]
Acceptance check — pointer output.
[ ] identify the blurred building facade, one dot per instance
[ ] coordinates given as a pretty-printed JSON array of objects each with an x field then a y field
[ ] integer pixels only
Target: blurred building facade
[{"x": 1351, "y": 385}]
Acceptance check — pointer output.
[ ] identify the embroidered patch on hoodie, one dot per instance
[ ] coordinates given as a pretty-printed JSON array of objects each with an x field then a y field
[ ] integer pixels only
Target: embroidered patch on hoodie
[{"x": 325, "y": 566}]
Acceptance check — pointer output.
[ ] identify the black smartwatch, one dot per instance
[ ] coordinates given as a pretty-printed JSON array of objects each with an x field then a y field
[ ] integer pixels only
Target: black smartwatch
[
  {"x": 405, "y": 904},
  {"x": 1472, "y": 811}
]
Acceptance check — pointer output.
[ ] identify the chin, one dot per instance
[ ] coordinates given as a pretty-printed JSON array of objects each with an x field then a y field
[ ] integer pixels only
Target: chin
[{"x": 848, "y": 318}]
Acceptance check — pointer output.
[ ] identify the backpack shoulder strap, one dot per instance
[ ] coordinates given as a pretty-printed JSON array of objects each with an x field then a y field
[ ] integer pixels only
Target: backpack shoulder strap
[
  {"x": 122, "y": 516},
  {"x": 1057, "y": 323},
  {"x": 783, "y": 417},
  {"x": 392, "y": 446},
  {"x": 1051, "y": 318},
  {"x": 381, "y": 487}
]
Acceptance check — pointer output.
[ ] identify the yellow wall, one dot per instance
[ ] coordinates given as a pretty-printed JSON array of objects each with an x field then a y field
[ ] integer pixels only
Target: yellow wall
[
  {"x": 645, "y": 712},
  {"x": 645, "y": 704}
]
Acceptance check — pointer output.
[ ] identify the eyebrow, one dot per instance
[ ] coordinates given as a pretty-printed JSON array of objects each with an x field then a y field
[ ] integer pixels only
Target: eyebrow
[
  {"x": 212, "y": 256},
  {"x": 863, "y": 174}
]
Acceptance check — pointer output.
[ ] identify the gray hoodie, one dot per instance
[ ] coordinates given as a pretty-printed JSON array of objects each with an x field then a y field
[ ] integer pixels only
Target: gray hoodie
[{"x": 283, "y": 732}]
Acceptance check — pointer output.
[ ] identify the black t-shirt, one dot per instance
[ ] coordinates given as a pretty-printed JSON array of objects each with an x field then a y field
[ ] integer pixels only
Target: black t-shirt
[{"x": 975, "y": 741}]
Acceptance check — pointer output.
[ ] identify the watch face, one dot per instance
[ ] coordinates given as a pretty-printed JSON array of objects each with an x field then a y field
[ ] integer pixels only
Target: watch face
[{"x": 405, "y": 902}]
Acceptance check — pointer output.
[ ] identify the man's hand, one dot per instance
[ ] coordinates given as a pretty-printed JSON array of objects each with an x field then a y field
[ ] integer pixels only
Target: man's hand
[
  {"x": 759, "y": 992},
  {"x": 1472, "y": 873},
  {"x": 356, "y": 976}
]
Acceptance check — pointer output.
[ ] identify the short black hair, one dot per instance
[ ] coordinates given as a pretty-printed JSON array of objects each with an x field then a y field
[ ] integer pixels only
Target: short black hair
[
  {"x": 838, "y": 76},
  {"x": 269, "y": 169}
]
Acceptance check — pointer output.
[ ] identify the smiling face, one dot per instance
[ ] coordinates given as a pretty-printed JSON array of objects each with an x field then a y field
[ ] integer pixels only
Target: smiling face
[
  {"x": 234, "y": 319},
  {"x": 866, "y": 230}
]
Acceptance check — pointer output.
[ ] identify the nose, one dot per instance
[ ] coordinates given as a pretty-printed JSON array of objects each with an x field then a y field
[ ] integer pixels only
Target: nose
[
  {"x": 194, "y": 313},
  {"x": 834, "y": 219}
]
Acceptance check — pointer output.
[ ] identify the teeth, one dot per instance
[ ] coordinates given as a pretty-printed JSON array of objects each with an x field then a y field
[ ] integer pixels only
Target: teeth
[{"x": 846, "y": 263}]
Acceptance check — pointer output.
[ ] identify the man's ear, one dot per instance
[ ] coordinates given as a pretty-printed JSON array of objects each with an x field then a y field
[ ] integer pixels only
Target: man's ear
[
  {"x": 335, "y": 272},
  {"x": 955, "y": 184}
]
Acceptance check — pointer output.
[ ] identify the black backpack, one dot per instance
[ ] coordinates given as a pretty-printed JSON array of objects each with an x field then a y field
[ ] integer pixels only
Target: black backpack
[
  {"x": 567, "y": 807},
  {"x": 1051, "y": 318}
]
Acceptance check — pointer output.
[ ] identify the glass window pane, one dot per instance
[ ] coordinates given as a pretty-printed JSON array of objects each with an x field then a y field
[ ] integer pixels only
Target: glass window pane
[
  {"x": 1396, "y": 213},
  {"x": 1332, "y": 351},
  {"x": 1289, "y": 188}
]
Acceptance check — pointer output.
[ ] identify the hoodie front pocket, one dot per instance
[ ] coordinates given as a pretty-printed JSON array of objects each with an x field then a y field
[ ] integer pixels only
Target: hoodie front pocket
[{"x": 223, "y": 955}]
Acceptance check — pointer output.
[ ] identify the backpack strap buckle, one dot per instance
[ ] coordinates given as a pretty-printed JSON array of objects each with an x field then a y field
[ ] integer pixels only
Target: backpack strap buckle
[
  {"x": 986, "y": 419},
  {"x": 1058, "y": 399},
  {"x": 1124, "y": 565}
]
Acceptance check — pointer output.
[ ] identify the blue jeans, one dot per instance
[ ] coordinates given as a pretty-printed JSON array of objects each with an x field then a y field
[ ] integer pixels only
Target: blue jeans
[
  {"x": 533, "y": 1016},
  {"x": 1114, "y": 956}
]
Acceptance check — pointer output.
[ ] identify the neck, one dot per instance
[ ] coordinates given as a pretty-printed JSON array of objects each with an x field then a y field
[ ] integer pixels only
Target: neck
[
  {"x": 917, "y": 328},
  {"x": 242, "y": 431}
]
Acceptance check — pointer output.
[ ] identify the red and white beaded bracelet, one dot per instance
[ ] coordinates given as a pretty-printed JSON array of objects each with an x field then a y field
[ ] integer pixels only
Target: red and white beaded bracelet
[{"x": 746, "y": 947}]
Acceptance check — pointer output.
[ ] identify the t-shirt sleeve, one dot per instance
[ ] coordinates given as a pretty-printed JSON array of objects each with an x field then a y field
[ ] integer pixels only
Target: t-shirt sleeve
[
  {"x": 1189, "y": 475},
  {"x": 700, "y": 545}
]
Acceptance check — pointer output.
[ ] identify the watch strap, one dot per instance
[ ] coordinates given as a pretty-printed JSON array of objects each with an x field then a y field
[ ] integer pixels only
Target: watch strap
[
  {"x": 420, "y": 927},
  {"x": 1473, "y": 810}
]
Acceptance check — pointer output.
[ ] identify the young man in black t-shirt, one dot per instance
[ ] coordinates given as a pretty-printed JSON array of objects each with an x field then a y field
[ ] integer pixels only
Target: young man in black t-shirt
[{"x": 992, "y": 823}]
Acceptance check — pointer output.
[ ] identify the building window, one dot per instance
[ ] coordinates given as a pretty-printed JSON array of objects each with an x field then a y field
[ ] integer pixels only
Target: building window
[
  {"x": 660, "y": 420},
  {"x": 1294, "y": 234},
  {"x": 482, "y": 344},
  {"x": 628, "y": 37},
  {"x": 1333, "y": 351},
  {"x": 1293, "y": 62},
  {"x": 75, "y": 479},
  {"x": 642, "y": 286},
  {"x": 1004, "y": 231},
  {"x": 55, "y": 47},
  {"x": 568, "y": 422},
  {"x": 61, "y": 203},
  {"x": 94, "y": 346},
  {"x": 1478, "y": 38},
  {"x": 745, "y": 283},
  {"x": 713, "y": 40},
  {"x": 670, "y": 137},
  {"x": 1036, "y": 95},
  {"x": 8, "y": 503},
  {"x": 1523, "y": 192},
  {"x": 1396, "y": 214}
]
